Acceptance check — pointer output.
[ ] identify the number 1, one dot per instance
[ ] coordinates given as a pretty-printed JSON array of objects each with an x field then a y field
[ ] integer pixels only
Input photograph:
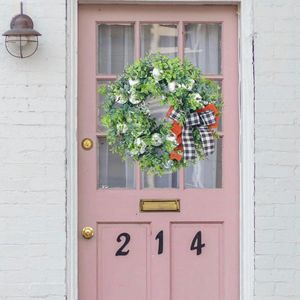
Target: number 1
[{"x": 160, "y": 238}]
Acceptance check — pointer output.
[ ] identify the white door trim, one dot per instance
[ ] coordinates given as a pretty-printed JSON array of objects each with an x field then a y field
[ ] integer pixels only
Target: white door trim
[
  {"x": 246, "y": 87},
  {"x": 71, "y": 153}
]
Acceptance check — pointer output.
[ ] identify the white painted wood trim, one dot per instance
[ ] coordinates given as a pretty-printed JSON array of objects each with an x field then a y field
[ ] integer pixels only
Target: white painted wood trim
[
  {"x": 246, "y": 142},
  {"x": 71, "y": 154},
  {"x": 246, "y": 151}
]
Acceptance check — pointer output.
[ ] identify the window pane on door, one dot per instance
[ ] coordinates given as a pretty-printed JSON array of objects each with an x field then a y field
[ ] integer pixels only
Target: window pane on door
[
  {"x": 159, "y": 38},
  {"x": 154, "y": 181},
  {"x": 206, "y": 173},
  {"x": 115, "y": 47},
  {"x": 113, "y": 172},
  {"x": 203, "y": 46}
]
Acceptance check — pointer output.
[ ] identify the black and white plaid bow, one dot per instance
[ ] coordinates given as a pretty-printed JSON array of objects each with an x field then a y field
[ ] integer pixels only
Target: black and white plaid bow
[{"x": 201, "y": 121}]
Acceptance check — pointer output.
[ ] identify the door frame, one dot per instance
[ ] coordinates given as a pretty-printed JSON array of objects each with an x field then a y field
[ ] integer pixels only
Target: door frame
[{"x": 246, "y": 102}]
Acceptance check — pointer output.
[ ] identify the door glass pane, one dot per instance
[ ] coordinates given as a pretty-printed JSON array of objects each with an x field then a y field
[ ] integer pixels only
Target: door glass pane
[
  {"x": 203, "y": 46},
  {"x": 206, "y": 173},
  {"x": 165, "y": 181},
  {"x": 115, "y": 47},
  {"x": 159, "y": 38},
  {"x": 113, "y": 172}
]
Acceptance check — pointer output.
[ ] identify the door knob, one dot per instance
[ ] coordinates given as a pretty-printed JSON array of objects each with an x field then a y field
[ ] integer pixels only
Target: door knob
[
  {"x": 87, "y": 232},
  {"x": 87, "y": 144}
]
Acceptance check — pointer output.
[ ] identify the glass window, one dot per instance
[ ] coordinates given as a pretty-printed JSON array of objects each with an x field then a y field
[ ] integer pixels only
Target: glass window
[
  {"x": 203, "y": 46},
  {"x": 206, "y": 173},
  {"x": 159, "y": 38},
  {"x": 115, "y": 48},
  {"x": 165, "y": 181},
  {"x": 113, "y": 172}
]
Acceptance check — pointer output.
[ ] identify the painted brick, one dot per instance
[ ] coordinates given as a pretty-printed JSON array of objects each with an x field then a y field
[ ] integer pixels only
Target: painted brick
[
  {"x": 287, "y": 262},
  {"x": 263, "y": 262},
  {"x": 275, "y": 275},
  {"x": 277, "y": 145},
  {"x": 264, "y": 289},
  {"x": 32, "y": 159}
]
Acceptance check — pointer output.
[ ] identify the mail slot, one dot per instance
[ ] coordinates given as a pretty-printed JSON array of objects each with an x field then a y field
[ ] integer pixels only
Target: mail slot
[{"x": 156, "y": 205}]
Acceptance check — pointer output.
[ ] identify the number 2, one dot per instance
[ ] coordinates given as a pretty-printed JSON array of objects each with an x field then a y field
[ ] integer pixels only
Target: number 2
[
  {"x": 120, "y": 252},
  {"x": 197, "y": 243}
]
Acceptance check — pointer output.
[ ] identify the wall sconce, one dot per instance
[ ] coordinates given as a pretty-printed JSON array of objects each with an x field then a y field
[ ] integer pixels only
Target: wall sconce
[{"x": 21, "y": 40}]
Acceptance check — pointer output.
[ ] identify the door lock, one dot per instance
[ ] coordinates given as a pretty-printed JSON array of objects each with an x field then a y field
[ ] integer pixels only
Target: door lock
[{"x": 87, "y": 232}]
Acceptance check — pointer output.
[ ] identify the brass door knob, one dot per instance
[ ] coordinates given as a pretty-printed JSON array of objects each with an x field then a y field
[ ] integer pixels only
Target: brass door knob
[
  {"x": 87, "y": 144},
  {"x": 87, "y": 232}
]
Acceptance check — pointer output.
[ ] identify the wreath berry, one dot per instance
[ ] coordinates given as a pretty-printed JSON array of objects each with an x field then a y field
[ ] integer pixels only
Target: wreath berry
[{"x": 184, "y": 133}]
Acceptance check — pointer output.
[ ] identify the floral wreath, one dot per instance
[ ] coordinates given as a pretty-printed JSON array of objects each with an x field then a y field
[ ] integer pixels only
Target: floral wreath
[{"x": 186, "y": 131}]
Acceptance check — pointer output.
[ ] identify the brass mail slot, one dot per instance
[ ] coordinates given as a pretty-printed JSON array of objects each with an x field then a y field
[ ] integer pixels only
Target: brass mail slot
[{"x": 154, "y": 205}]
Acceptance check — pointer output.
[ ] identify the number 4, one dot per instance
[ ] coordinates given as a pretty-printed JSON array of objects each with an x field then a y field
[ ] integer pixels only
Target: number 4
[{"x": 197, "y": 243}]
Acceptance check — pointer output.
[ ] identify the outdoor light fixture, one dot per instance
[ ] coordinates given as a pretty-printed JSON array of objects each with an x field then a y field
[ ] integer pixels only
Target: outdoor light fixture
[{"x": 21, "y": 40}]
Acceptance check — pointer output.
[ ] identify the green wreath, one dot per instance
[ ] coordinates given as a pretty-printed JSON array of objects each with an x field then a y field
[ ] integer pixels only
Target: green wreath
[{"x": 184, "y": 135}]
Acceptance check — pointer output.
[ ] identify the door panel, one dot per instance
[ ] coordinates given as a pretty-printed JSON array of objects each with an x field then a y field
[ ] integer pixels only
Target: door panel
[
  {"x": 161, "y": 255},
  {"x": 123, "y": 247},
  {"x": 197, "y": 260}
]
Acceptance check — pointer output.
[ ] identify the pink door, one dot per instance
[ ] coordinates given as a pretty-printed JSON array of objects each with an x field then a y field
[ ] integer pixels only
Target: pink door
[{"x": 184, "y": 246}]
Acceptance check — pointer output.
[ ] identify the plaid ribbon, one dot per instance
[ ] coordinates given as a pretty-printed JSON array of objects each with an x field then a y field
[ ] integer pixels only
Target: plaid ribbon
[{"x": 201, "y": 121}]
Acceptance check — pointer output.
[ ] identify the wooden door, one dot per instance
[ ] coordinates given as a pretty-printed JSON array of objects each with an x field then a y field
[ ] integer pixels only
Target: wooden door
[{"x": 190, "y": 253}]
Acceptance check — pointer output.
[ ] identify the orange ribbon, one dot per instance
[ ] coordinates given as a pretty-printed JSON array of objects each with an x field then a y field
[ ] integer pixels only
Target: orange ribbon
[{"x": 177, "y": 153}]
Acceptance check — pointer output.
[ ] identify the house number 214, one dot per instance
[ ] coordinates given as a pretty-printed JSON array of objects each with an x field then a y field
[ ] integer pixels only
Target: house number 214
[{"x": 125, "y": 237}]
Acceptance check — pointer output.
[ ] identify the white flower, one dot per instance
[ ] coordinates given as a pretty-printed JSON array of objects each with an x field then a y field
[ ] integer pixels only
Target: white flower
[
  {"x": 156, "y": 73},
  {"x": 197, "y": 96},
  {"x": 122, "y": 128},
  {"x": 190, "y": 84},
  {"x": 169, "y": 164},
  {"x": 156, "y": 139},
  {"x": 133, "y": 99},
  {"x": 133, "y": 82},
  {"x": 143, "y": 149},
  {"x": 138, "y": 141},
  {"x": 141, "y": 145},
  {"x": 119, "y": 99},
  {"x": 171, "y": 138},
  {"x": 172, "y": 86}
]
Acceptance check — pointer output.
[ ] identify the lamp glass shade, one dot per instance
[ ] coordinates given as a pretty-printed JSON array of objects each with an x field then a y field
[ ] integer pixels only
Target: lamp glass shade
[{"x": 21, "y": 46}]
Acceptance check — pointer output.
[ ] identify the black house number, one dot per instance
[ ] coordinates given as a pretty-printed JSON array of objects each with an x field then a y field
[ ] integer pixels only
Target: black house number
[
  {"x": 160, "y": 238},
  {"x": 125, "y": 239},
  {"x": 197, "y": 243}
]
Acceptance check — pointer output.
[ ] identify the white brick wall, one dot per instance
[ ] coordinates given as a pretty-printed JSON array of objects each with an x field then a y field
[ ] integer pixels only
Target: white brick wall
[
  {"x": 277, "y": 71},
  {"x": 32, "y": 158}
]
